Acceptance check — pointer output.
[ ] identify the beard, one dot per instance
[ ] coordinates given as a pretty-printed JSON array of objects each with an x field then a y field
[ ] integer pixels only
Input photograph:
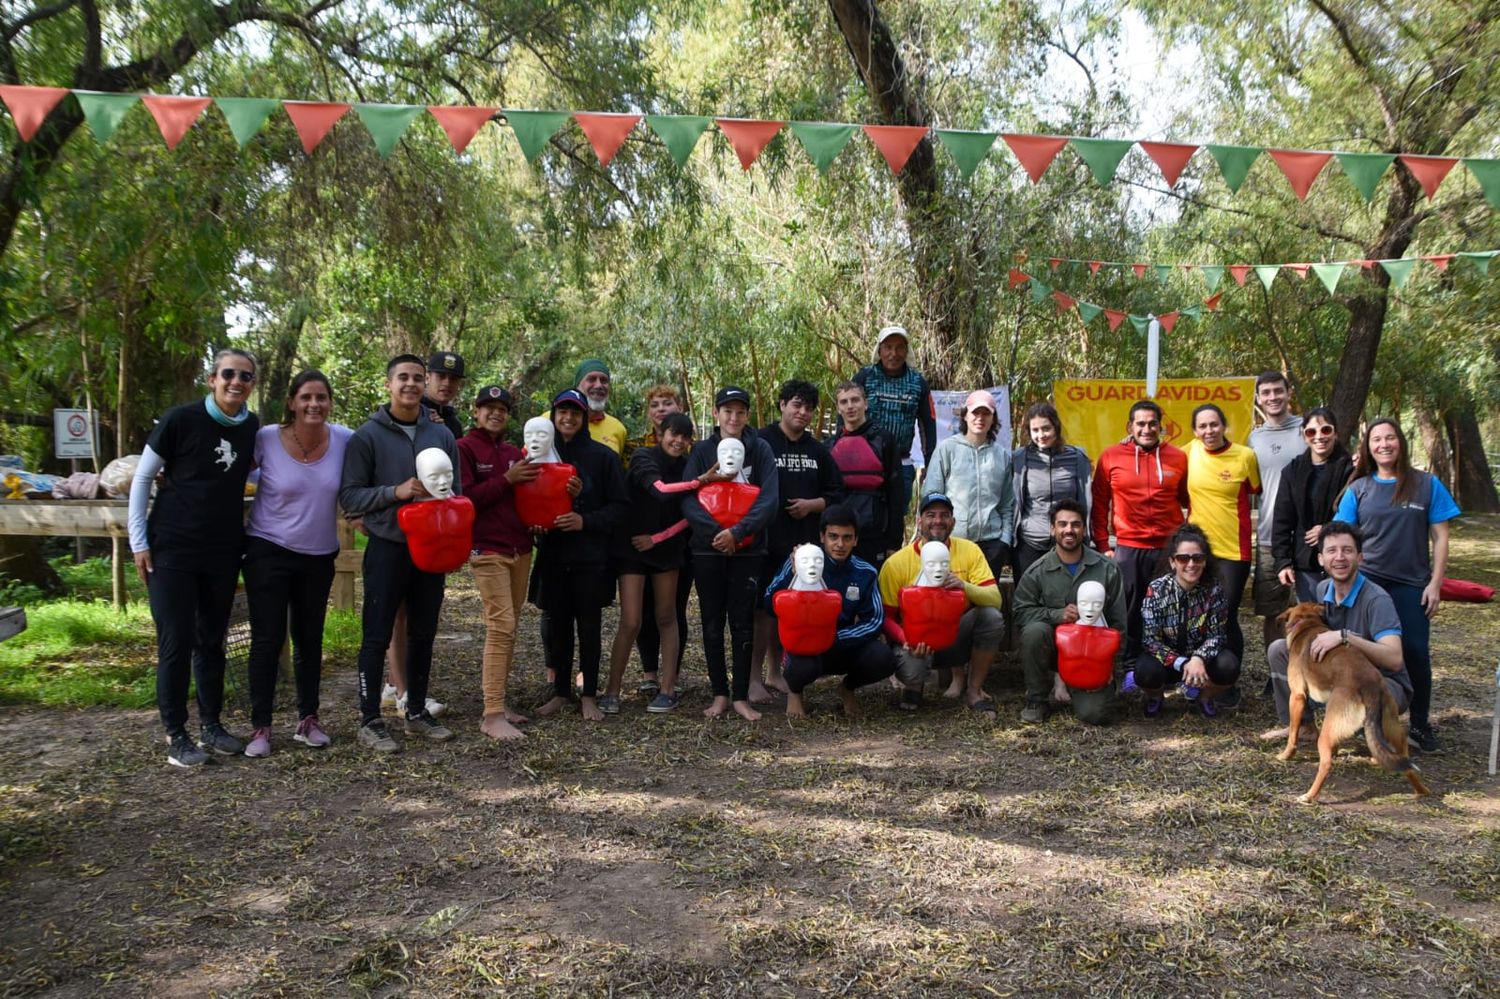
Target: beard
[{"x": 597, "y": 405}]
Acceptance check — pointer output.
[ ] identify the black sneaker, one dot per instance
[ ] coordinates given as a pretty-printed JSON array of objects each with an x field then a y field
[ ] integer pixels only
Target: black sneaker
[
  {"x": 183, "y": 752},
  {"x": 215, "y": 738},
  {"x": 1425, "y": 739},
  {"x": 1229, "y": 700}
]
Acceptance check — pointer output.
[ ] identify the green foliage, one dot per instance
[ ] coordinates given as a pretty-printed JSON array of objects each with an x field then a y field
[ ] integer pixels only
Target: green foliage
[{"x": 75, "y": 653}]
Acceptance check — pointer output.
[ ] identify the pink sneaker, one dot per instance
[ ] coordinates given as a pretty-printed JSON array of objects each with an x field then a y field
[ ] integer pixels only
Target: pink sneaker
[
  {"x": 310, "y": 733},
  {"x": 260, "y": 743}
]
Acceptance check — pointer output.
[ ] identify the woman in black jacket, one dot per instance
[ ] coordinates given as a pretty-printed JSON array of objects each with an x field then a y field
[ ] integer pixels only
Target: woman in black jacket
[{"x": 1306, "y": 499}]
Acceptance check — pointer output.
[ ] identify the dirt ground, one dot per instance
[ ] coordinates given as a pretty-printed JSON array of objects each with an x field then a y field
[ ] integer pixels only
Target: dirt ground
[{"x": 894, "y": 855}]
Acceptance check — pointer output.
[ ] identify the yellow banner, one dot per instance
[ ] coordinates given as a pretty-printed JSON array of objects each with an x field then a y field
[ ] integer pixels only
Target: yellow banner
[{"x": 1094, "y": 413}]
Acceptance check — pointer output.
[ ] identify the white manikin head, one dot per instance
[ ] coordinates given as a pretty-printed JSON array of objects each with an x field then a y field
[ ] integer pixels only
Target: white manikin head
[
  {"x": 538, "y": 436},
  {"x": 731, "y": 457},
  {"x": 807, "y": 565},
  {"x": 936, "y": 562},
  {"x": 1091, "y": 604},
  {"x": 435, "y": 469}
]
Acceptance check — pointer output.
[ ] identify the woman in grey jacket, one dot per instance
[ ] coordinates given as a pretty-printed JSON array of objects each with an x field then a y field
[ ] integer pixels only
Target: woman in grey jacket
[
  {"x": 973, "y": 471},
  {"x": 1045, "y": 471}
]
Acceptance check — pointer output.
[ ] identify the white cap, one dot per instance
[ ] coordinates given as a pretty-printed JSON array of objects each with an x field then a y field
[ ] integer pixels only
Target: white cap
[{"x": 890, "y": 331}]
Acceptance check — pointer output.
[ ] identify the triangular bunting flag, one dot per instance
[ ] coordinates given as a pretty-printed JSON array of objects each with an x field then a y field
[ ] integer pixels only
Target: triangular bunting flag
[
  {"x": 1053, "y": 262},
  {"x": 1114, "y": 318},
  {"x": 1212, "y": 302},
  {"x": 174, "y": 115},
  {"x": 1235, "y": 163},
  {"x": 1103, "y": 156},
  {"x": 460, "y": 123},
  {"x": 1163, "y": 271},
  {"x": 534, "y": 129},
  {"x": 1039, "y": 291},
  {"x": 103, "y": 112},
  {"x": 246, "y": 116},
  {"x": 1429, "y": 171},
  {"x": 1016, "y": 278},
  {"x": 1141, "y": 324},
  {"x": 1364, "y": 170},
  {"x": 823, "y": 140},
  {"x": 1064, "y": 301},
  {"x": 30, "y": 106},
  {"x": 1192, "y": 312},
  {"x": 1036, "y": 152},
  {"x": 313, "y": 119},
  {"x": 1239, "y": 272},
  {"x": 1140, "y": 270},
  {"x": 1480, "y": 260},
  {"x": 1168, "y": 321},
  {"x": 1399, "y": 270},
  {"x": 1365, "y": 264},
  {"x": 679, "y": 132},
  {"x": 605, "y": 132},
  {"x": 1267, "y": 273},
  {"x": 1088, "y": 313},
  {"x": 1171, "y": 158},
  {"x": 748, "y": 136},
  {"x": 387, "y": 123},
  {"x": 1441, "y": 261},
  {"x": 968, "y": 149},
  {"x": 1212, "y": 275},
  {"x": 1298, "y": 269},
  {"x": 1329, "y": 274},
  {"x": 1301, "y": 168},
  {"x": 1487, "y": 173},
  {"x": 896, "y": 142},
  {"x": 1094, "y": 266}
]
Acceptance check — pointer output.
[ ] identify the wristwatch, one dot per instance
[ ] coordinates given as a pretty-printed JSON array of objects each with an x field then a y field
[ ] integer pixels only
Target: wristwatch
[{"x": 1343, "y": 636}]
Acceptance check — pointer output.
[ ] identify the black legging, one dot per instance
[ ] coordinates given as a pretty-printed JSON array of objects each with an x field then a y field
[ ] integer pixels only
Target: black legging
[
  {"x": 390, "y": 581},
  {"x": 1233, "y": 576},
  {"x": 861, "y": 664},
  {"x": 727, "y": 588},
  {"x": 1151, "y": 676},
  {"x": 279, "y": 581},
  {"x": 1024, "y": 554},
  {"x": 573, "y": 594},
  {"x": 191, "y": 609}
]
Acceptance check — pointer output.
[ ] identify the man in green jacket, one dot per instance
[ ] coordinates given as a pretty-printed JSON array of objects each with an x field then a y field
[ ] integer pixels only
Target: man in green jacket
[{"x": 1047, "y": 596}]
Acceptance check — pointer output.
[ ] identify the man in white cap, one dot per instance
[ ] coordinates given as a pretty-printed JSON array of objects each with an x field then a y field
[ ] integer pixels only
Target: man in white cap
[{"x": 899, "y": 401}]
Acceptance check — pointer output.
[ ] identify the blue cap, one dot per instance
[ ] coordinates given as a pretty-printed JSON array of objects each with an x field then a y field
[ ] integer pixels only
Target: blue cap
[
  {"x": 570, "y": 397},
  {"x": 932, "y": 498}
]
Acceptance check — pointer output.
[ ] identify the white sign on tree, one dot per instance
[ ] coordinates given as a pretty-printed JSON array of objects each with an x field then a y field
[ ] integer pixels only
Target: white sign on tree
[{"x": 74, "y": 431}]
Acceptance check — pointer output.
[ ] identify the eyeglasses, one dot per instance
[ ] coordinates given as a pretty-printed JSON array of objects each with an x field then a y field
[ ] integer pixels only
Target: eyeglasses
[
  {"x": 1194, "y": 558},
  {"x": 1324, "y": 431},
  {"x": 230, "y": 374}
]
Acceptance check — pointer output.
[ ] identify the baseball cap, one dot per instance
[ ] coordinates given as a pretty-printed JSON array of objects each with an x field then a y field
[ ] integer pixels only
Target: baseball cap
[
  {"x": 446, "y": 362},
  {"x": 979, "y": 398},
  {"x": 731, "y": 393},
  {"x": 493, "y": 393},
  {"x": 932, "y": 498},
  {"x": 570, "y": 397},
  {"x": 890, "y": 331}
]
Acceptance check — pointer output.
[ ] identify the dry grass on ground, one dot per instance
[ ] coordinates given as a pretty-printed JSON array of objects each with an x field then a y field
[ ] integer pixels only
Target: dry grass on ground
[{"x": 656, "y": 856}]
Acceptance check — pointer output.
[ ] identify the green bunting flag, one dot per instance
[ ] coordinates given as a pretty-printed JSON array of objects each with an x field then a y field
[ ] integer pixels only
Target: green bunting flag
[
  {"x": 1235, "y": 163},
  {"x": 1399, "y": 270},
  {"x": 1212, "y": 275},
  {"x": 1039, "y": 291},
  {"x": 822, "y": 140},
  {"x": 246, "y": 116},
  {"x": 968, "y": 149},
  {"x": 1191, "y": 311},
  {"x": 387, "y": 123},
  {"x": 1329, "y": 274},
  {"x": 1142, "y": 324},
  {"x": 1089, "y": 312},
  {"x": 534, "y": 129},
  {"x": 1103, "y": 156},
  {"x": 1481, "y": 260},
  {"x": 1487, "y": 173},
  {"x": 679, "y": 132},
  {"x": 1267, "y": 273},
  {"x": 1364, "y": 170},
  {"x": 1163, "y": 271},
  {"x": 104, "y": 111}
]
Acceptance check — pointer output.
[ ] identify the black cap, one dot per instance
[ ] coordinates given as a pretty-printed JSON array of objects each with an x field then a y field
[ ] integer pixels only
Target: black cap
[
  {"x": 932, "y": 498},
  {"x": 492, "y": 393},
  {"x": 731, "y": 393},
  {"x": 447, "y": 363}
]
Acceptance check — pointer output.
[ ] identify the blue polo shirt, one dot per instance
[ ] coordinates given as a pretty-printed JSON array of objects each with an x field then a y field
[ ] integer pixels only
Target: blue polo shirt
[{"x": 1367, "y": 611}]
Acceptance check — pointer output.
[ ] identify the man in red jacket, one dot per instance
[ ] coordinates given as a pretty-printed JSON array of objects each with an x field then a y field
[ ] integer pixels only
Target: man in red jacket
[{"x": 1139, "y": 491}]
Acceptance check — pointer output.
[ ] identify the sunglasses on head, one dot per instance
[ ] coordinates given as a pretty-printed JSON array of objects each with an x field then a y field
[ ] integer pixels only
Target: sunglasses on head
[
  {"x": 1192, "y": 558},
  {"x": 229, "y": 375},
  {"x": 1324, "y": 431}
]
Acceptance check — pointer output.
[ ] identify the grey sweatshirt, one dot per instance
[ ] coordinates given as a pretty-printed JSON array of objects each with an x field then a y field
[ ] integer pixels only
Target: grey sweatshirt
[{"x": 380, "y": 457}]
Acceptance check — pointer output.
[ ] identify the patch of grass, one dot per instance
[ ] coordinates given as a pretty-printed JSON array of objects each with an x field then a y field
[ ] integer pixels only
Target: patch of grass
[
  {"x": 77, "y": 653},
  {"x": 341, "y": 633},
  {"x": 92, "y": 579}
]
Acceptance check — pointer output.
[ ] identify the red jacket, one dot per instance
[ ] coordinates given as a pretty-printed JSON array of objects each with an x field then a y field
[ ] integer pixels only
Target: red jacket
[
  {"x": 483, "y": 461},
  {"x": 1140, "y": 494}
]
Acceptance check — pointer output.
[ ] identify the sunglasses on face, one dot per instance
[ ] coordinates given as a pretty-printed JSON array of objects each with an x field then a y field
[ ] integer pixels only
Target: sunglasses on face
[
  {"x": 230, "y": 374},
  {"x": 1323, "y": 431},
  {"x": 1195, "y": 558}
]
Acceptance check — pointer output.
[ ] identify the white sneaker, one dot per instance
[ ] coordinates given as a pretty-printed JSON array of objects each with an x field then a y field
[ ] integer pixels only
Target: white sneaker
[
  {"x": 434, "y": 708},
  {"x": 388, "y": 696}
]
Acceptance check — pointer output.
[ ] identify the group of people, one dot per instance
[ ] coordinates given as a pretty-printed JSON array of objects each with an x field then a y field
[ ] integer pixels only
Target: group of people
[{"x": 1165, "y": 532}]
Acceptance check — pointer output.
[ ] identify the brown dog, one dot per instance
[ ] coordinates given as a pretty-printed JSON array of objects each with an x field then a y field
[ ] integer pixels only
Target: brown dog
[{"x": 1356, "y": 697}]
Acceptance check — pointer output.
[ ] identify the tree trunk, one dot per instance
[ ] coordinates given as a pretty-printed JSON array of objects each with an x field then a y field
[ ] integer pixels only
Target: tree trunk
[
  {"x": 1473, "y": 485},
  {"x": 21, "y": 560},
  {"x": 1435, "y": 441}
]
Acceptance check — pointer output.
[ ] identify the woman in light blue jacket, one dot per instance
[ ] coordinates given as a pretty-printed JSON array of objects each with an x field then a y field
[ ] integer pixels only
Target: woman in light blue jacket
[{"x": 973, "y": 470}]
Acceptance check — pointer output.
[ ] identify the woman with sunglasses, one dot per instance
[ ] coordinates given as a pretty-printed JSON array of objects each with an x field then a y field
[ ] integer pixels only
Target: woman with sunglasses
[
  {"x": 1401, "y": 509},
  {"x": 187, "y": 551},
  {"x": 289, "y": 554},
  {"x": 1309, "y": 491},
  {"x": 1222, "y": 476},
  {"x": 1185, "y": 627}
]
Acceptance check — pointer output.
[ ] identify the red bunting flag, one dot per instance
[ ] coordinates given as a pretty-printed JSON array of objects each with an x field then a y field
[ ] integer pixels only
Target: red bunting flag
[
  {"x": 460, "y": 124},
  {"x": 174, "y": 115},
  {"x": 1054, "y": 262},
  {"x": 1064, "y": 301},
  {"x": 1140, "y": 270},
  {"x": 1094, "y": 266},
  {"x": 1211, "y": 303},
  {"x": 1036, "y": 152},
  {"x": 1365, "y": 264},
  {"x": 1017, "y": 278},
  {"x": 1301, "y": 168},
  {"x": 748, "y": 136},
  {"x": 1429, "y": 170},
  {"x": 1240, "y": 272},
  {"x": 30, "y": 106},
  {"x": 606, "y": 132},
  {"x": 896, "y": 142},
  {"x": 1171, "y": 158},
  {"x": 1441, "y": 261},
  {"x": 1298, "y": 269},
  {"x": 1114, "y": 318},
  {"x": 1168, "y": 321},
  {"x": 313, "y": 119}
]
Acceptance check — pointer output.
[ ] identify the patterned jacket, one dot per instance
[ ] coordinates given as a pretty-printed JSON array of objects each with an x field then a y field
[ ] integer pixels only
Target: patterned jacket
[{"x": 1180, "y": 624}]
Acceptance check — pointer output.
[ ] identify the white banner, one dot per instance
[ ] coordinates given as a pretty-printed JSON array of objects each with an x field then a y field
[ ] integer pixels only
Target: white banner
[{"x": 946, "y": 404}]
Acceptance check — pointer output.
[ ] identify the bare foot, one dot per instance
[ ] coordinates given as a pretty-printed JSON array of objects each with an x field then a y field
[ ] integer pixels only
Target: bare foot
[
  {"x": 1060, "y": 691},
  {"x": 717, "y": 708},
  {"x": 515, "y": 717},
  {"x": 956, "y": 688},
  {"x": 746, "y": 710},
  {"x": 551, "y": 675},
  {"x": 776, "y": 681},
  {"x": 851, "y": 703},
  {"x": 590, "y": 710},
  {"x": 499, "y": 728},
  {"x": 759, "y": 694},
  {"x": 552, "y": 707},
  {"x": 1273, "y": 734},
  {"x": 794, "y": 707}
]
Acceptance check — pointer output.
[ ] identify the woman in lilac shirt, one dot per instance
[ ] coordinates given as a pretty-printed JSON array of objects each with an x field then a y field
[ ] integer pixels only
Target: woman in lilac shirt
[{"x": 290, "y": 548}]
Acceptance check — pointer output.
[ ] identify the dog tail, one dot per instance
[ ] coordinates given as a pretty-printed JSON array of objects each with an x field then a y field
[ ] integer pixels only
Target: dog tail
[{"x": 1377, "y": 703}]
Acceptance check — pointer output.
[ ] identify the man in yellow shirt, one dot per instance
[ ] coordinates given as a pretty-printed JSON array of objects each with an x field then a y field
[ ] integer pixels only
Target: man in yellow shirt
[{"x": 980, "y": 629}]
